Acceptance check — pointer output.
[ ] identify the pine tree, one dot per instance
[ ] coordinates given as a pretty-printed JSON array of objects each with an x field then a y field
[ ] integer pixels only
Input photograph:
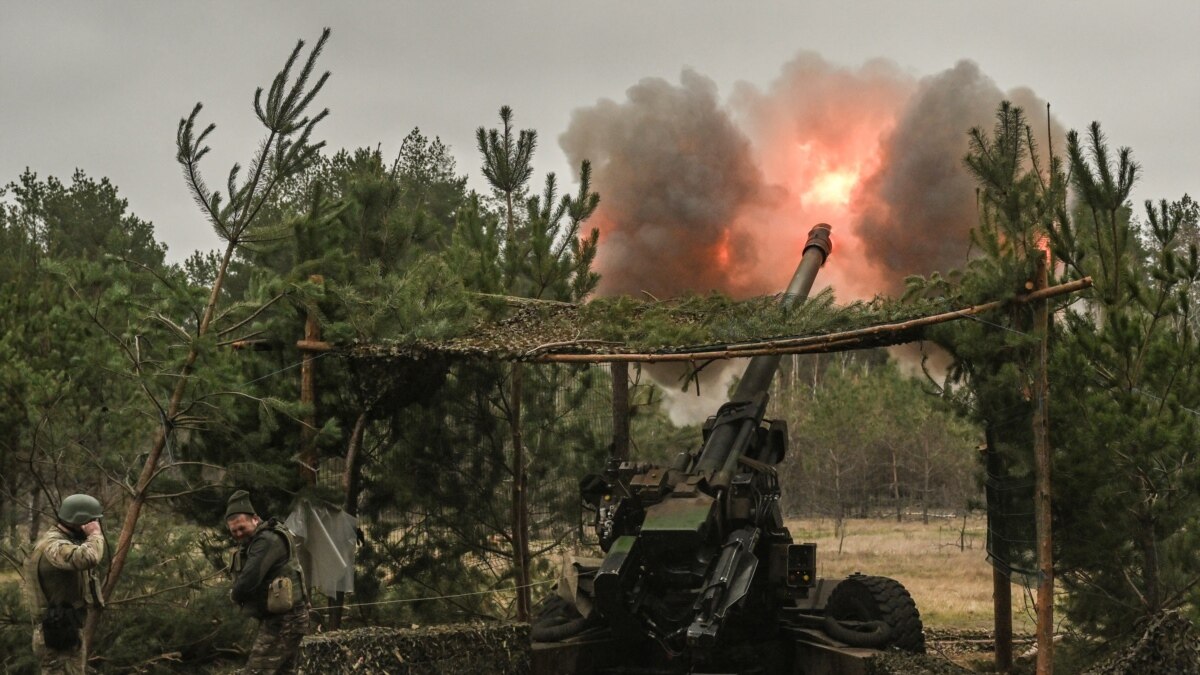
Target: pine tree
[
  {"x": 235, "y": 216},
  {"x": 507, "y": 164},
  {"x": 543, "y": 257},
  {"x": 994, "y": 373},
  {"x": 1126, "y": 433},
  {"x": 1020, "y": 196}
]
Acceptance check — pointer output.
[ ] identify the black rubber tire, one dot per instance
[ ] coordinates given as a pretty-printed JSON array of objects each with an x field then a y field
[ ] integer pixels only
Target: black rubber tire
[
  {"x": 556, "y": 621},
  {"x": 542, "y": 631},
  {"x": 870, "y": 600}
]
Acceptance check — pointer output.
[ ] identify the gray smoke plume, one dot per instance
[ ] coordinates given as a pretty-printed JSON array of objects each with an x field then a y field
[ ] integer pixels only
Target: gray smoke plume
[
  {"x": 919, "y": 207},
  {"x": 700, "y": 195},
  {"x": 674, "y": 173}
]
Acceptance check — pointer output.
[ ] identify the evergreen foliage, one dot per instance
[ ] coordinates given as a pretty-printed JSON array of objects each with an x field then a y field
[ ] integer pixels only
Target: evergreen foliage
[
  {"x": 1126, "y": 434},
  {"x": 118, "y": 376},
  {"x": 184, "y": 376},
  {"x": 1123, "y": 397},
  {"x": 989, "y": 380}
]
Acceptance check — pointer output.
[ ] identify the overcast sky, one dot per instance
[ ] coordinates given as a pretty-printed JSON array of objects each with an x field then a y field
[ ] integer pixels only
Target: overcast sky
[{"x": 101, "y": 85}]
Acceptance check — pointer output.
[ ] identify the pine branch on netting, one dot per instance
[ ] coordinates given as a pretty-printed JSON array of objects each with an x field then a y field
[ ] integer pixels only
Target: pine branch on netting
[{"x": 691, "y": 329}]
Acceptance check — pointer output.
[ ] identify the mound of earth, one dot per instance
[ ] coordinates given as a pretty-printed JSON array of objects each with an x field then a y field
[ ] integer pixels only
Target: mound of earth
[{"x": 905, "y": 663}]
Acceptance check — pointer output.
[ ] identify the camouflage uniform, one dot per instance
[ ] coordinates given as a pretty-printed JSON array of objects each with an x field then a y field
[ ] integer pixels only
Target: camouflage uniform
[
  {"x": 277, "y": 646},
  {"x": 61, "y": 571},
  {"x": 266, "y": 555}
]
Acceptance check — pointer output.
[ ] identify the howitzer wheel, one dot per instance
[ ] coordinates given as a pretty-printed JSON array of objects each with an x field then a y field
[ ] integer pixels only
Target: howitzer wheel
[
  {"x": 874, "y": 612},
  {"x": 556, "y": 620}
]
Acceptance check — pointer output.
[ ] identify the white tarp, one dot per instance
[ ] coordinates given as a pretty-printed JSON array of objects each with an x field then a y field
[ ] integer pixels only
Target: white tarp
[{"x": 327, "y": 540}]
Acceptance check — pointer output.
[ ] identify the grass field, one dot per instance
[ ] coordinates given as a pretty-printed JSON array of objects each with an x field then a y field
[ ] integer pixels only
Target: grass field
[{"x": 952, "y": 587}]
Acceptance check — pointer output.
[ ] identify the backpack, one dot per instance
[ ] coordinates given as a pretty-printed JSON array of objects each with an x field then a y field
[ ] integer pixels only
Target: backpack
[{"x": 282, "y": 596}]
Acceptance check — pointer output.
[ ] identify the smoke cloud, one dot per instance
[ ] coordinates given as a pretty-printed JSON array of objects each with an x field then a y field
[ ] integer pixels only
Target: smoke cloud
[
  {"x": 700, "y": 194},
  {"x": 674, "y": 174},
  {"x": 918, "y": 208}
]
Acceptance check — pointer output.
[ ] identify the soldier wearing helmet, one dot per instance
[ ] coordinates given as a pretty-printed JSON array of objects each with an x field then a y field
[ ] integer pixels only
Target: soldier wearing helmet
[
  {"x": 268, "y": 584},
  {"x": 60, "y": 583}
]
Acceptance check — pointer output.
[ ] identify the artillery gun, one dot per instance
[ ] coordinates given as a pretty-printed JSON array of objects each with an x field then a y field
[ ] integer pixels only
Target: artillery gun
[{"x": 700, "y": 573}]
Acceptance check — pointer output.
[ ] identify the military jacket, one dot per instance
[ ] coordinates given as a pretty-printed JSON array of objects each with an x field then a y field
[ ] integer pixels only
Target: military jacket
[
  {"x": 270, "y": 552},
  {"x": 62, "y": 571}
]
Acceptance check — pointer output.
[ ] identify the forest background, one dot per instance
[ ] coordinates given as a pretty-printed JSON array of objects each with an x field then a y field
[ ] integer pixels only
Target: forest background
[{"x": 121, "y": 377}]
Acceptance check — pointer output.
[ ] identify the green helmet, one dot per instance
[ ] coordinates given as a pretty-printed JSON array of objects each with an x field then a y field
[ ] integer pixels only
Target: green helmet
[{"x": 80, "y": 509}]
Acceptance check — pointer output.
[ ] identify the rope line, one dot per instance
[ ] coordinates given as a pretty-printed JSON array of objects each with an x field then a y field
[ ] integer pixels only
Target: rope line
[
  {"x": 439, "y": 597},
  {"x": 1136, "y": 390},
  {"x": 286, "y": 368}
]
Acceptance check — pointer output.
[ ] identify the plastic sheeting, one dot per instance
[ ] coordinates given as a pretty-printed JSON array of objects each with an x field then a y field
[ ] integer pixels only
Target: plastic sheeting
[{"x": 327, "y": 540}]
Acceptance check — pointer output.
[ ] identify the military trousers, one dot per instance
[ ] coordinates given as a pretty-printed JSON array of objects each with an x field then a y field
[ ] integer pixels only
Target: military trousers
[
  {"x": 277, "y": 647},
  {"x": 55, "y": 662}
]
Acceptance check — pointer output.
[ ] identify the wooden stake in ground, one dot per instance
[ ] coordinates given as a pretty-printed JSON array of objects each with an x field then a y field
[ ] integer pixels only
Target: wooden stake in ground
[{"x": 1041, "y": 456}]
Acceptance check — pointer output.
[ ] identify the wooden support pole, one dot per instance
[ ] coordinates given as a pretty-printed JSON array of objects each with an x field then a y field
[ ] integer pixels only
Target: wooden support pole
[
  {"x": 1041, "y": 454},
  {"x": 314, "y": 345},
  {"x": 1001, "y": 555},
  {"x": 620, "y": 410},
  {"x": 1002, "y": 615}
]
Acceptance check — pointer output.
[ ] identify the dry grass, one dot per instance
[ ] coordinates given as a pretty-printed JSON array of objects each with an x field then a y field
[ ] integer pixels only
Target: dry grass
[{"x": 952, "y": 587}]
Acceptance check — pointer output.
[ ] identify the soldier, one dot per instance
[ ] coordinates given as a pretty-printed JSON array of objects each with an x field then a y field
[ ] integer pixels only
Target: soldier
[
  {"x": 60, "y": 583},
  {"x": 268, "y": 584}
]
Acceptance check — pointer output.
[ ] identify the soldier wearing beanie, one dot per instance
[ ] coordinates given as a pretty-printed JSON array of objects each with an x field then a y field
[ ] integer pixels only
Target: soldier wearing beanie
[
  {"x": 268, "y": 584},
  {"x": 60, "y": 583}
]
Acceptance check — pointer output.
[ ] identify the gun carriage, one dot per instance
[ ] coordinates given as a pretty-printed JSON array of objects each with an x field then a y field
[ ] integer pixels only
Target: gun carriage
[{"x": 700, "y": 573}]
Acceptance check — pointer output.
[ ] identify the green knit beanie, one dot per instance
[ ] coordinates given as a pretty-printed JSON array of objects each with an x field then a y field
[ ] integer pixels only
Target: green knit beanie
[{"x": 239, "y": 502}]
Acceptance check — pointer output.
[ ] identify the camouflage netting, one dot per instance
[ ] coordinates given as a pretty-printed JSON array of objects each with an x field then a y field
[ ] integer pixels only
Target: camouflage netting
[
  {"x": 623, "y": 325},
  {"x": 1168, "y": 644},
  {"x": 486, "y": 649}
]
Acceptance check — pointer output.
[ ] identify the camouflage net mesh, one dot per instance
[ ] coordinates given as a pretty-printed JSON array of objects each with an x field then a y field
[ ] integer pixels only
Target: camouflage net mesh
[
  {"x": 1167, "y": 644},
  {"x": 622, "y": 325},
  {"x": 484, "y": 649}
]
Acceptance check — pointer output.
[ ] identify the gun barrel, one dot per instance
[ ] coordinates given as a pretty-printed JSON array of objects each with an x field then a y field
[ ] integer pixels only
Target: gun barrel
[{"x": 756, "y": 381}]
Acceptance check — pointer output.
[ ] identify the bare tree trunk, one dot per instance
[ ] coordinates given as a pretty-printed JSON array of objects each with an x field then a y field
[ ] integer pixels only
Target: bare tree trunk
[
  {"x": 308, "y": 397},
  {"x": 620, "y": 410},
  {"x": 839, "y": 525},
  {"x": 1001, "y": 588},
  {"x": 35, "y": 515},
  {"x": 353, "y": 472},
  {"x": 896, "y": 485},
  {"x": 962, "y": 533},
  {"x": 1150, "y": 572},
  {"x": 9, "y": 510},
  {"x": 1002, "y": 604},
  {"x": 925, "y": 483},
  {"x": 350, "y": 486},
  {"x": 150, "y": 468},
  {"x": 520, "y": 510}
]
